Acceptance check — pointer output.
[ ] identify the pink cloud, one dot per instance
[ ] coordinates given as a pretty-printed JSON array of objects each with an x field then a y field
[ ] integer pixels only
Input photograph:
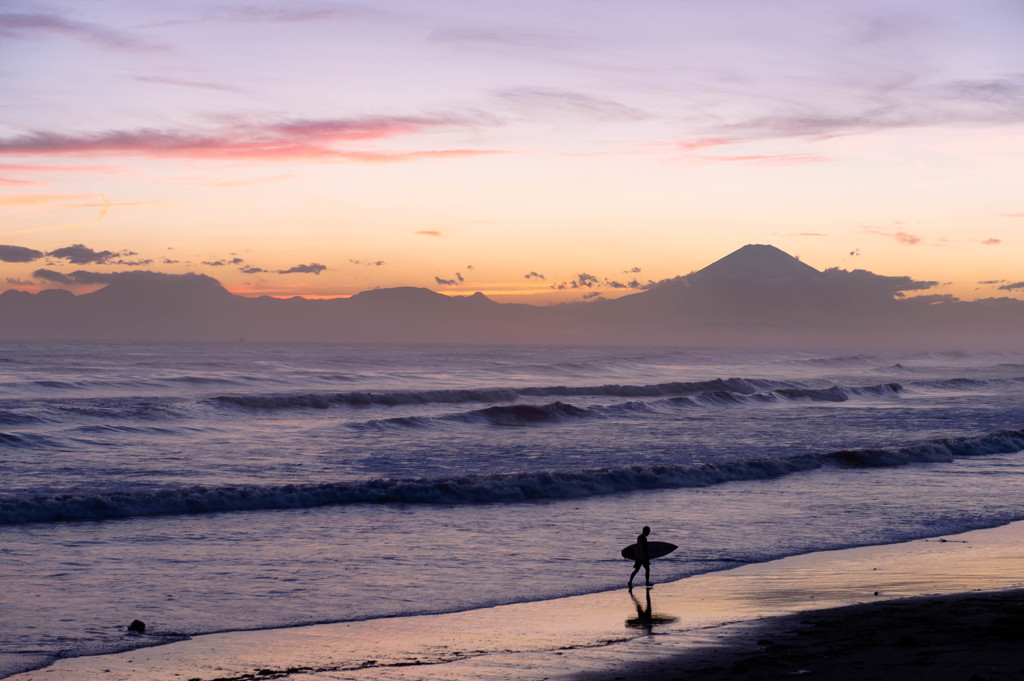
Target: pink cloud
[
  {"x": 770, "y": 159},
  {"x": 21, "y": 168},
  {"x": 694, "y": 145},
  {"x": 901, "y": 237},
  {"x": 429, "y": 232},
  {"x": 297, "y": 139}
]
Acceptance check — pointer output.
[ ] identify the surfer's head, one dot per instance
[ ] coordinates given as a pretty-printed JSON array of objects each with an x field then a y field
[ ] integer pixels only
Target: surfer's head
[{"x": 647, "y": 530}]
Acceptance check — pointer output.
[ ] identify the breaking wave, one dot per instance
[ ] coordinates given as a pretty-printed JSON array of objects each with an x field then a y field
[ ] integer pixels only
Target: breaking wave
[
  {"x": 481, "y": 489},
  {"x": 736, "y": 386},
  {"x": 529, "y": 414}
]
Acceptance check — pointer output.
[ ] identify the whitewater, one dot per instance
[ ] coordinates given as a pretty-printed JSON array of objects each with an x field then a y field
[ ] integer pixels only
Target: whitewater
[{"x": 206, "y": 487}]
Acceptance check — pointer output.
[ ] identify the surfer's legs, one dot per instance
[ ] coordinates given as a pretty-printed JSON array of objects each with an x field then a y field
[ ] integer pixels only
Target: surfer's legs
[
  {"x": 647, "y": 572},
  {"x": 636, "y": 569}
]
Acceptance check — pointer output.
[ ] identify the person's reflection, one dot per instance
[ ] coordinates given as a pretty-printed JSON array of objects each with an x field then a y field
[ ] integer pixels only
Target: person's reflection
[{"x": 645, "y": 618}]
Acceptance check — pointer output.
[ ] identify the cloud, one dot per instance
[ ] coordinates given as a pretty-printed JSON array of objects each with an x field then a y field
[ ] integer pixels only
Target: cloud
[
  {"x": 505, "y": 37},
  {"x": 991, "y": 242},
  {"x": 7, "y": 182},
  {"x": 87, "y": 278},
  {"x": 82, "y": 255},
  {"x": 590, "y": 295},
  {"x": 632, "y": 270},
  {"x": 907, "y": 104},
  {"x": 368, "y": 263},
  {"x": 936, "y": 298},
  {"x": 36, "y": 199},
  {"x": 52, "y": 276},
  {"x": 21, "y": 168},
  {"x": 870, "y": 285},
  {"x": 770, "y": 159},
  {"x": 312, "y": 268},
  {"x": 223, "y": 263},
  {"x": 33, "y": 25},
  {"x": 901, "y": 237},
  {"x": 252, "y": 270},
  {"x": 1016, "y": 286},
  {"x": 454, "y": 281},
  {"x": 227, "y": 184},
  {"x": 19, "y": 254},
  {"x": 429, "y": 232},
  {"x": 694, "y": 145},
  {"x": 295, "y": 12},
  {"x": 550, "y": 100},
  {"x": 582, "y": 280},
  {"x": 533, "y": 275},
  {"x": 202, "y": 85},
  {"x": 14, "y": 281},
  {"x": 992, "y": 282},
  {"x": 315, "y": 139}
]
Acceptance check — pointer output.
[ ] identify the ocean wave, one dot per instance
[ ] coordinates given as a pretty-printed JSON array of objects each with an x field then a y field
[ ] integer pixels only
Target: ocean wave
[
  {"x": 122, "y": 408},
  {"x": 57, "y": 385},
  {"x": 12, "y": 418},
  {"x": 492, "y": 395},
  {"x": 966, "y": 383},
  {"x": 481, "y": 489},
  {"x": 28, "y": 440},
  {"x": 844, "y": 361},
  {"x": 555, "y": 412},
  {"x": 206, "y": 380},
  {"x": 505, "y": 415}
]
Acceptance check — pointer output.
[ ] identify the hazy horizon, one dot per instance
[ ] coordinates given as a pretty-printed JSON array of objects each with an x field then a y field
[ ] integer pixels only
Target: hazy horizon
[{"x": 756, "y": 296}]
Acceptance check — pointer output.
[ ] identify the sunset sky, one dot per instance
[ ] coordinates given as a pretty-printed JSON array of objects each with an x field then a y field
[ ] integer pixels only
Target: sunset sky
[{"x": 534, "y": 151}]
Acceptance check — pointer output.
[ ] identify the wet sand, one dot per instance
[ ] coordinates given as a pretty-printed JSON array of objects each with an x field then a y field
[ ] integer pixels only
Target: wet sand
[
  {"x": 964, "y": 637},
  {"x": 763, "y": 621}
]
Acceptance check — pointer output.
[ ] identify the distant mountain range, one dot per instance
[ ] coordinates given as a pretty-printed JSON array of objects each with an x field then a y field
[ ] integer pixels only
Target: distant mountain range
[{"x": 757, "y": 296}]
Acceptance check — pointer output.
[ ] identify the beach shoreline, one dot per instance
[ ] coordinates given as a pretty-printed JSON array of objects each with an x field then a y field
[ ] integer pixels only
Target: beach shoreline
[{"x": 708, "y": 624}]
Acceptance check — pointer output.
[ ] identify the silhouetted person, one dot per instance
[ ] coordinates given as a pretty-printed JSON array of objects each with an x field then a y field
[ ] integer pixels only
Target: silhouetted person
[{"x": 642, "y": 557}]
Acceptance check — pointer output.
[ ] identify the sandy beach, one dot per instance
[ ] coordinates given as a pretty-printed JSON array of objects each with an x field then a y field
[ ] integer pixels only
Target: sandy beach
[
  {"x": 961, "y": 637},
  {"x": 947, "y": 605}
]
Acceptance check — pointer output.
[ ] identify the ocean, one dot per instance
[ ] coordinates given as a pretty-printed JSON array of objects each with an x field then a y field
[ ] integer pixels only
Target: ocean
[{"x": 206, "y": 487}]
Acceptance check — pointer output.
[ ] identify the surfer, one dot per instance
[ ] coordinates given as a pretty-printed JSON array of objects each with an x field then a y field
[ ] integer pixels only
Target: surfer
[{"x": 642, "y": 557}]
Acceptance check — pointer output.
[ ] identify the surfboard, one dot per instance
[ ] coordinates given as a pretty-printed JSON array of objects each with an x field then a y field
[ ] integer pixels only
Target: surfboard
[{"x": 655, "y": 549}]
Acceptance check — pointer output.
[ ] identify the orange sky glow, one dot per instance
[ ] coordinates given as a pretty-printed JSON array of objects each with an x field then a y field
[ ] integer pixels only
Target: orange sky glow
[{"x": 469, "y": 147}]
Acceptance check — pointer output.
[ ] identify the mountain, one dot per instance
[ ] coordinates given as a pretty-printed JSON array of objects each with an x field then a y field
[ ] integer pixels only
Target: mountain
[
  {"x": 757, "y": 261},
  {"x": 754, "y": 297}
]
